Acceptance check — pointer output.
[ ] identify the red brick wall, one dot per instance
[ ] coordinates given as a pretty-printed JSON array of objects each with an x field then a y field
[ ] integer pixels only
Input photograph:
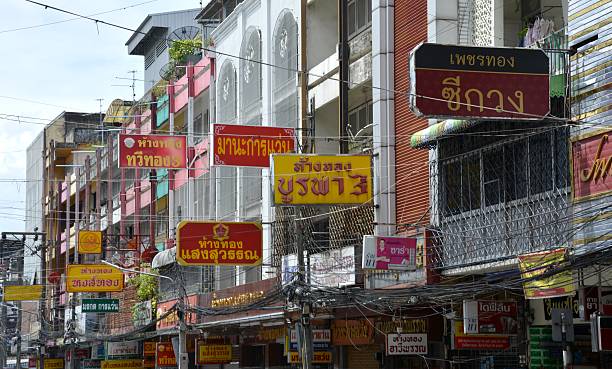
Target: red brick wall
[{"x": 411, "y": 171}]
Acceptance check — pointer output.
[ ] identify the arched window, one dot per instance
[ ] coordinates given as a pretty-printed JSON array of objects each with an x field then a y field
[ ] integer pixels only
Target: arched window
[
  {"x": 250, "y": 77},
  {"x": 284, "y": 77},
  {"x": 226, "y": 93}
]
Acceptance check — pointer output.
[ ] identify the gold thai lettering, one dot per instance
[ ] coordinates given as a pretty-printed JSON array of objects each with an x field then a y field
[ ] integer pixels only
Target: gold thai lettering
[
  {"x": 452, "y": 92},
  {"x": 240, "y": 299},
  {"x": 252, "y": 146},
  {"x": 481, "y": 60},
  {"x": 601, "y": 167},
  {"x": 474, "y": 98}
]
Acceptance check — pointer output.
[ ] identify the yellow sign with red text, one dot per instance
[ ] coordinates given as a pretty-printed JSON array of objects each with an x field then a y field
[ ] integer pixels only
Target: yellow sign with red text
[
  {"x": 90, "y": 242},
  {"x": 93, "y": 278},
  {"x": 214, "y": 354},
  {"x": 23, "y": 293},
  {"x": 322, "y": 179}
]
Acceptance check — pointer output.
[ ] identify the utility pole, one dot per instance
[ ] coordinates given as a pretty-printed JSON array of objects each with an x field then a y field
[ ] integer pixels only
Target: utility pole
[
  {"x": 18, "y": 304},
  {"x": 3, "y": 320},
  {"x": 343, "y": 73},
  {"x": 306, "y": 332}
]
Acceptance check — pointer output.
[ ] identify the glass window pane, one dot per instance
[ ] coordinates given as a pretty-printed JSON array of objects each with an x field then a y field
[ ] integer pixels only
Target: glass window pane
[
  {"x": 361, "y": 13},
  {"x": 352, "y": 18},
  {"x": 369, "y": 11}
]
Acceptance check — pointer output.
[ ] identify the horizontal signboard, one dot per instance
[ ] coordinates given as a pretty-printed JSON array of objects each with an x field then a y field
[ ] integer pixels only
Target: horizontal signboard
[
  {"x": 22, "y": 293},
  {"x": 490, "y": 317},
  {"x": 152, "y": 151},
  {"x": 318, "y": 357},
  {"x": 535, "y": 264},
  {"x": 121, "y": 364},
  {"x": 452, "y": 81},
  {"x": 592, "y": 166},
  {"x": 219, "y": 243},
  {"x": 213, "y": 354},
  {"x": 100, "y": 305},
  {"x": 462, "y": 341},
  {"x": 54, "y": 363},
  {"x": 250, "y": 146},
  {"x": 321, "y": 179},
  {"x": 406, "y": 344},
  {"x": 90, "y": 242},
  {"x": 122, "y": 348},
  {"x": 389, "y": 253},
  {"x": 94, "y": 278}
]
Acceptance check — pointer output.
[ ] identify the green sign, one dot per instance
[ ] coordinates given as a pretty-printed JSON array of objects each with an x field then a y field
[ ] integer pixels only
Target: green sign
[{"x": 100, "y": 305}]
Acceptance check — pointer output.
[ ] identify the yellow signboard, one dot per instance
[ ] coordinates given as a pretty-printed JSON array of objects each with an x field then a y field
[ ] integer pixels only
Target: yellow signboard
[
  {"x": 90, "y": 242},
  {"x": 54, "y": 363},
  {"x": 322, "y": 179},
  {"x": 214, "y": 354},
  {"x": 94, "y": 278},
  {"x": 23, "y": 293},
  {"x": 536, "y": 264},
  {"x": 121, "y": 364}
]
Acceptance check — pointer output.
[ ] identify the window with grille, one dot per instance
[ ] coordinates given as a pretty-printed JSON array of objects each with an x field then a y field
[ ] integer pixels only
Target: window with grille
[
  {"x": 284, "y": 79},
  {"x": 149, "y": 59},
  {"x": 359, "y": 16},
  {"x": 226, "y": 93}
]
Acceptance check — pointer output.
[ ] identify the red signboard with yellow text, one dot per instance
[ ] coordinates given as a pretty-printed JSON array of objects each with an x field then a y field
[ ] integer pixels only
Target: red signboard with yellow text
[
  {"x": 592, "y": 166},
  {"x": 479, "y": 82},
  {"x": 250, "y": 146},
  {"x": 165, "y": 354},
  {"x": 152, "y": 151},
  {"x": 219, "y": 243},
  {"x": 322, "y": 179}
]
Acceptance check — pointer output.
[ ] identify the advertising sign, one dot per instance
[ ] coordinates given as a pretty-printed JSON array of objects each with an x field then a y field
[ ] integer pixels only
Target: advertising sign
[
  {"x": 321, "y": 179},
  {"x": 250, "y": 146},
  {"x": 479, "y": 82},
  {"x": 93, "y": 278},
  {"x": 148, "y": 362},
  {"x": 171, "y": 320},
  {"x": 219, "y": 243},
  {"x": 152, "y": 151},
  {"x": 321, "y": 339},
  {"x": 318, "y": 357},
  {"x": 100, "y": 305},
  {"x": 462, "y": 341},
  {"x": 54, "y": 363},
  {"x": 90, "y": 242},
  {"x": 142, "y": 313},
  {"x": 91, "y": 364},
  {"x": 352, "y": 332},
  {"x": 536, "y": 264},
  {"x": 149, "y": 348},
  {"x": 592, "y": 166},
  {"x": 406, "y": 344},
  {"x": 122, "y": 348},
  {"x": 333, "y": 268},
  {"x": 490, "y": 317},
  {"x": 22, "y": 293},
  {"x": 389, "y": 253},
  {"x": 165, "y": 354},
  {"x": 121, "y": 364},
  {"x": 213, "y": 354},
  {"x": 571, "y": 303}
]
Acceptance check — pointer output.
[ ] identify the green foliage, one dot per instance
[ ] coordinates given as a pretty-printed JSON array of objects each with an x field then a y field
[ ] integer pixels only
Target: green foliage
[
  {"x": 183, "y": 48},
  {"x": 146, "y": 286}
]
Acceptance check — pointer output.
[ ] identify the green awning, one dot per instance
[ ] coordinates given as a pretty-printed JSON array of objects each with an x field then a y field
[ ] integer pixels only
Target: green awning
[{"x": 427, "y": 137}]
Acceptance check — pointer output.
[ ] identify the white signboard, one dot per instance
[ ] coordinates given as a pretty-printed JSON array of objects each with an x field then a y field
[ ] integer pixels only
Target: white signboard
[
  {"x": 334, "y": 268},
  {"x": 122, "y": 348},
  {"x": 407, "y": 344}
]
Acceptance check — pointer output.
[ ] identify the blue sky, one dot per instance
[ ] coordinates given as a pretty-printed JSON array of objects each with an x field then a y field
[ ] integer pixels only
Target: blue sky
[{"x": 65, "y": 66}]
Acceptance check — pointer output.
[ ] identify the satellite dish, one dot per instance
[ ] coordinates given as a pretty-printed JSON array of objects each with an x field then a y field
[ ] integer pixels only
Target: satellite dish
[
  {"x": 183, "y": 33},
  {"x": 168, "y": 71}
]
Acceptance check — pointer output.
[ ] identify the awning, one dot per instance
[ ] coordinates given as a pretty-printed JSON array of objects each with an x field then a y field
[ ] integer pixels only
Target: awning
[
  {"x": 427, "y": 137},
  {"x": 165, "y": 257},
  {"x": 244, "y": 320}
]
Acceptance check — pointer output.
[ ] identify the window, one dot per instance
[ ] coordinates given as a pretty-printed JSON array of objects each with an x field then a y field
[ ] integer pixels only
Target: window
[
  {"x": 149, "y": 59},
  {"x": 250, "y": 77},
  {"x": 359, "y": 16},
  {"x": 226, "y": 93},
  {"x": 284, "y": 79},
  {"x": 360, "y": 127},
  {"x": 160, "y": 47}
]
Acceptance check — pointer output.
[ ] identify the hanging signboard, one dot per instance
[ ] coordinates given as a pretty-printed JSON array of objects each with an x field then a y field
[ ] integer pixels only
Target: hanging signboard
[
  {"x": 93, "y": 278},
  {"x": 90, "y": 242},
  {"x": 122, "y": 348},
  {"x": 452, "y": 81},
  {"x": 490, "y": 317},
  {"x": 571, "y": 303},
  {"x": 333, "y": 268},
  {"x": 142, "y": 313},
  {"x": 462, "y": 341},
  {"x": 54, "y": 363},
  {"x": 406, "y": 344},
  {"x": 592, "y": 166},
  {"x": 100, "y": 305},
  {"x": 22, "y": 293},
  {"x": 536, "y": 264},
  {"x": 149, "y": 348},
  {"x": 219, "y": 243},
  {"x": 321, "y": 179},
  {"x": 389, "y": 253},
  {"x": 250, "y": 146},
  {"x": 352, "y": 332},
  {"x": 213, "y": 354},
  {"x": 165, "y": 354},
  {"x": 121, "y": 364},
  {"x": 152, "y": 151}
]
